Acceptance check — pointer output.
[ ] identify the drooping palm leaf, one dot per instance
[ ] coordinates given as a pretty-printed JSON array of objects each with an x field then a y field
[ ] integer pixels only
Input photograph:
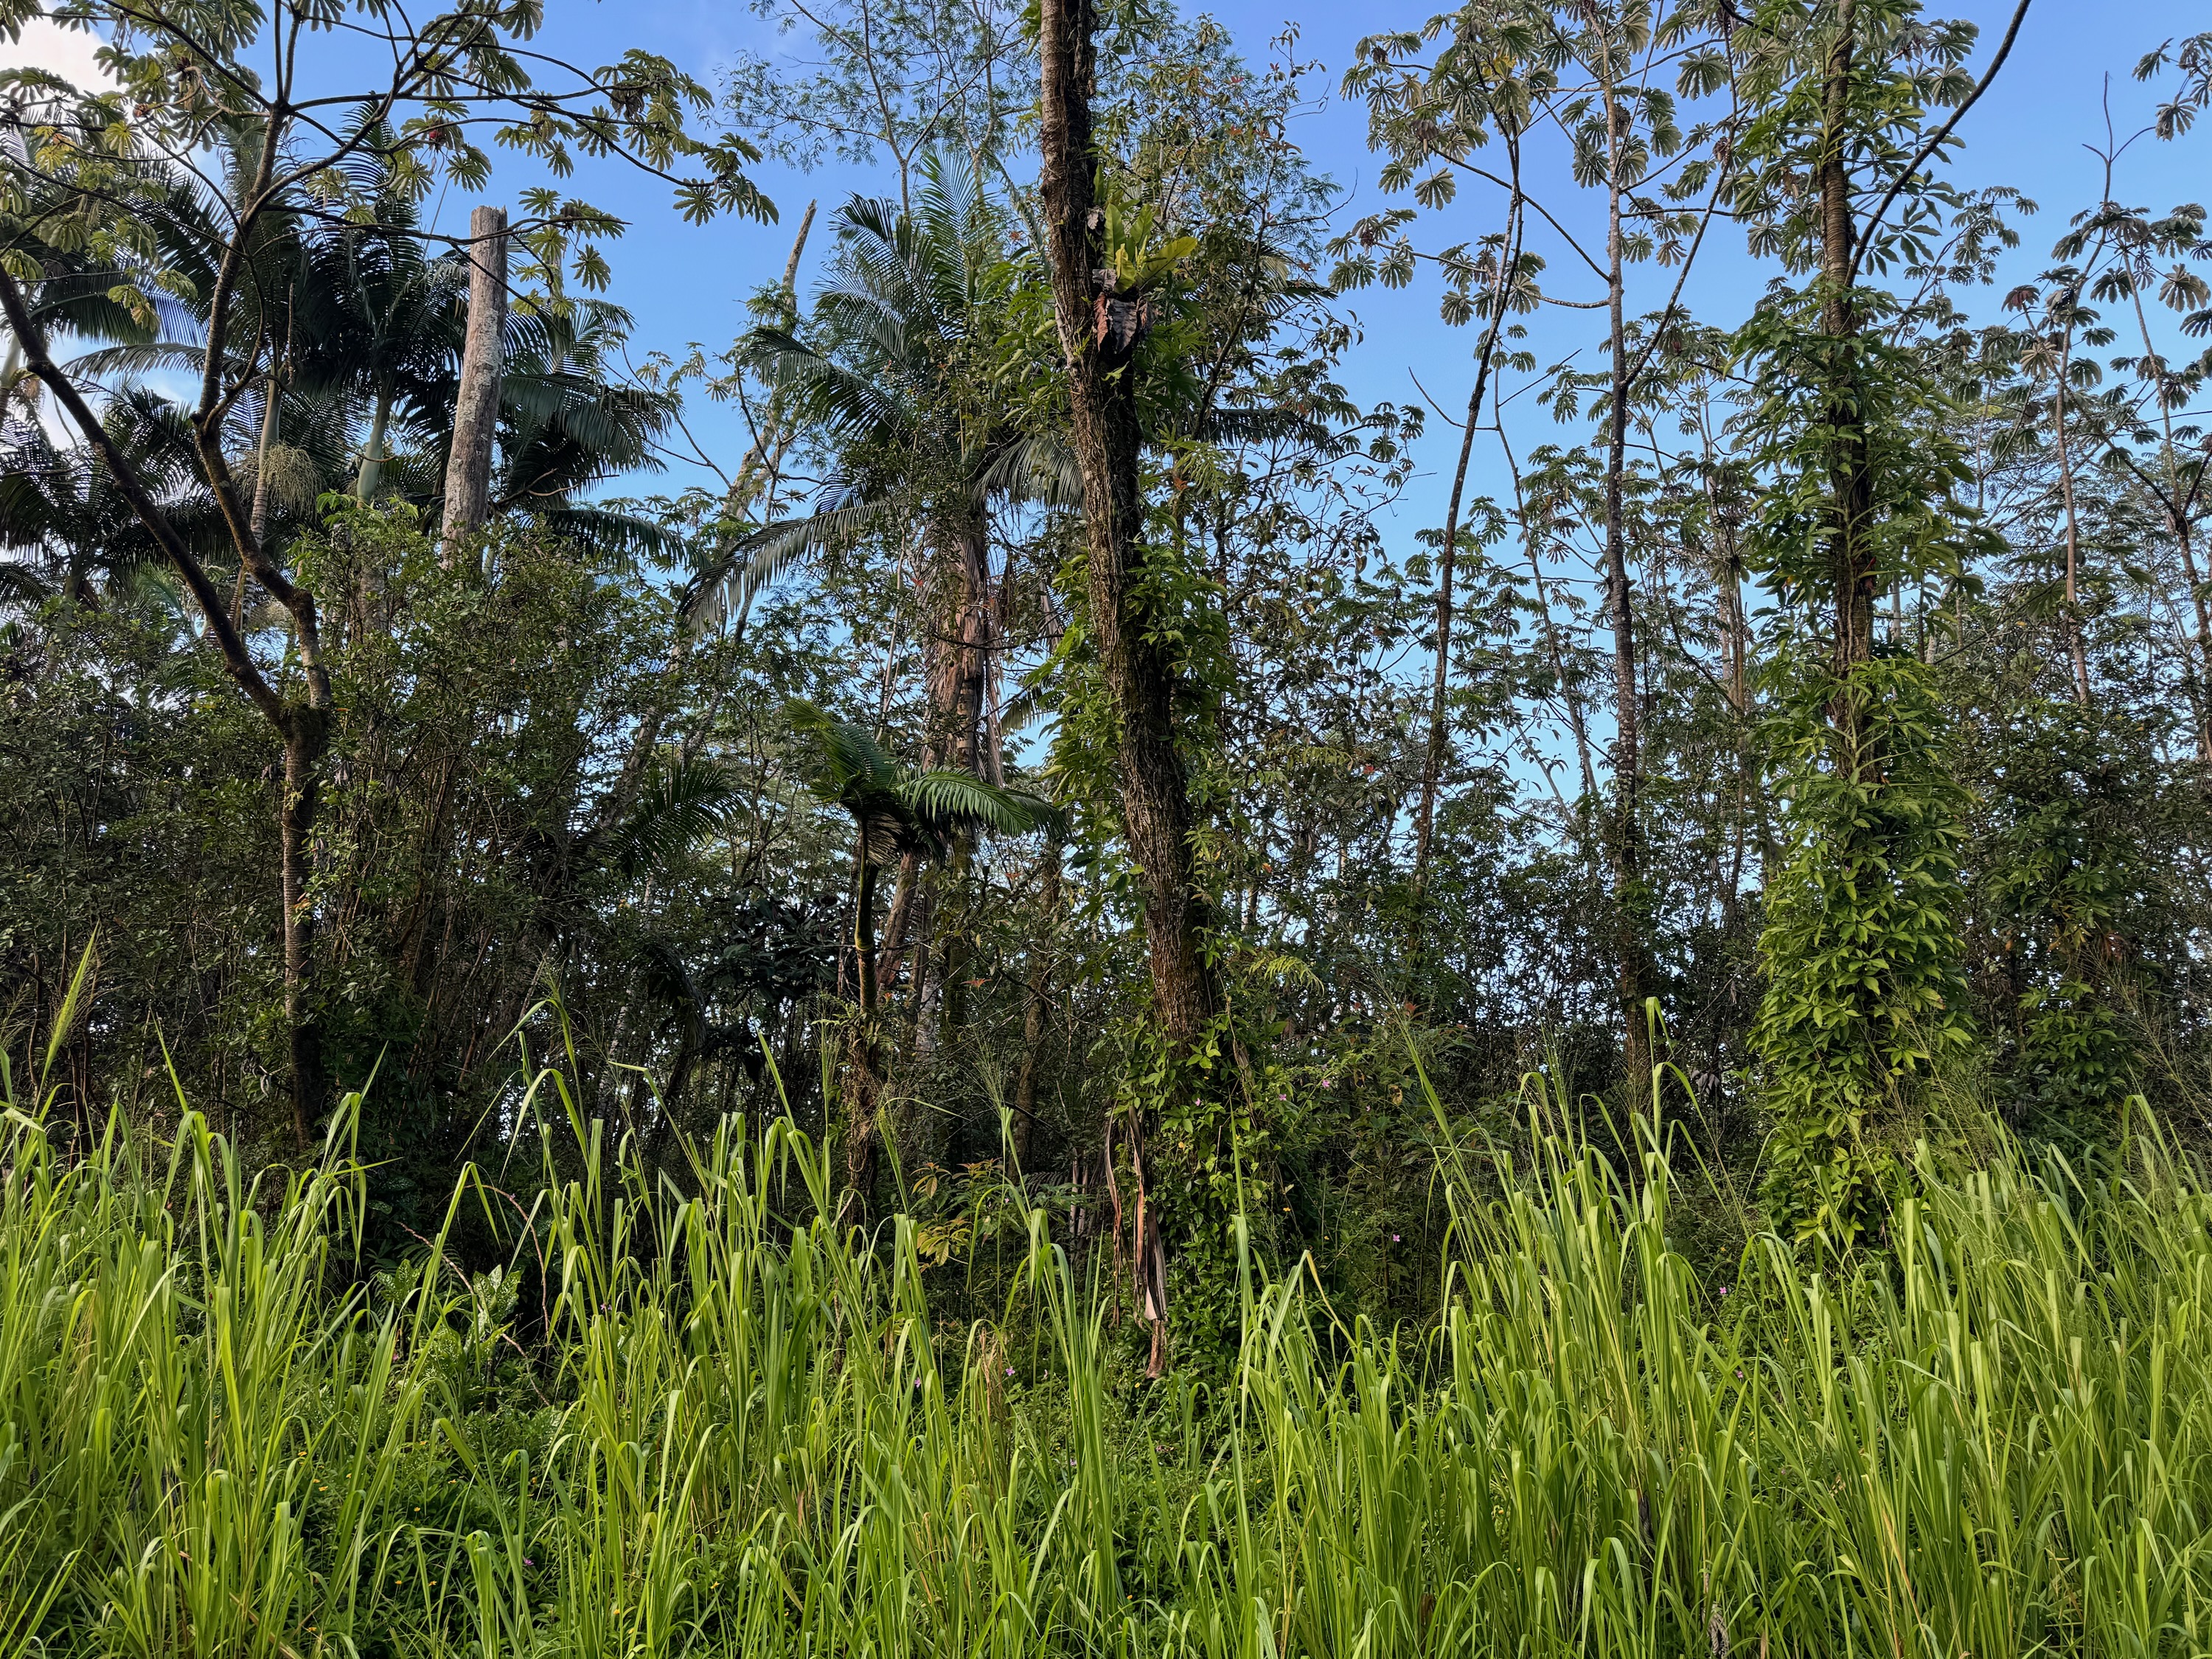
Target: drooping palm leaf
[
  {"x": 954, "y": 801},
  {"x": 678, "y": 806}
]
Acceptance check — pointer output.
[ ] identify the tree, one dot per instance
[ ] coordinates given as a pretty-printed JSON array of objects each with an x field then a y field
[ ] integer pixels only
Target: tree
[
  {"x": 1102, "y": 325},
  {"x": 95, "y": 179},
  {"x": 1863, "y": 960},
  {"x": 896, "y": 813},
  {"x": 1593, "y": 71}
]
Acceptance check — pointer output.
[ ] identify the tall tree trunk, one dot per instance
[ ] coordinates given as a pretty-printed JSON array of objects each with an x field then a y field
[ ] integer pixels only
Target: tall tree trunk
[
  {"x": 1100, "y": 330},
  {"x": 1432, "y": 759},
  {"x": 2076, "y": 646},
  {"x": 1851, "y": 557},
  {"x": 1632, "y": 967},
  {"x": 476, "y": 412}
]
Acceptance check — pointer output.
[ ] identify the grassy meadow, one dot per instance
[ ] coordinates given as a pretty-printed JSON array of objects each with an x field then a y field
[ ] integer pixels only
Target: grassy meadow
[{"x": 696, "y": 1418}]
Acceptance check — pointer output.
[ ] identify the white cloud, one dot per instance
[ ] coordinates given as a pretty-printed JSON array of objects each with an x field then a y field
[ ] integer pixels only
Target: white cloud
[{"x": 69, "y": 54}]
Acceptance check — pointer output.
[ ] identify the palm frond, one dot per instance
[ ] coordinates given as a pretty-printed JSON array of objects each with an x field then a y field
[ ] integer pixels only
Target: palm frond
[
  {"x": 613, "y": 536},
  {"x": 847, "y": 762},
  {"x": 948, "y": 801},
  {"x": 727, "y": 584},
  {"x": 678, "y": 806},
  {"x": 1039, "y": 468},
  {"x": 140, "y": 357}
]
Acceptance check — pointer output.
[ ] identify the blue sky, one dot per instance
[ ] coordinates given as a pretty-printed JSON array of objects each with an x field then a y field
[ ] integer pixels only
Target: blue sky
[{"x": 688, "y": 284}]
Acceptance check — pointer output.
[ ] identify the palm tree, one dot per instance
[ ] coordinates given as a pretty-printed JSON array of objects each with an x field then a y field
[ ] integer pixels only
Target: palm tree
[
  {"x": 63, "y": 521},
  {"x": 565, "y": 426},
  {"x": 890, "y": 382},
  {"x": 897, "y": 812},
  {"x": 893, "y": 382}
]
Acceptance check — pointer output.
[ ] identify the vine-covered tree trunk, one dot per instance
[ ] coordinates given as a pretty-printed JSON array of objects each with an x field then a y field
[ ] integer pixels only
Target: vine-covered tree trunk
[
  {"x": 1850, "y": 552},
  {"x": 1100, "y": 333},
  {"x": 1102, "y": 419}
]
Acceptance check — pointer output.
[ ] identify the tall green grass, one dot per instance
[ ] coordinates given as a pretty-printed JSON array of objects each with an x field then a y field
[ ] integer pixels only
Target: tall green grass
[{"x": 699, "y": 1418}]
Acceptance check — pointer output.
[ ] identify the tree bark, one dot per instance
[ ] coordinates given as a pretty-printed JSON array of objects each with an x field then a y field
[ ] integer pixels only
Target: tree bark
[
  {"x": 1100, "y": 333},
  {"x": 1103, "y": 399},
  {"x": 476, "y": 412},
  {"x": 1633, "y": 973},
  {"x": 1433, "y": 760},
  {"x": 1851, "y": 555}
]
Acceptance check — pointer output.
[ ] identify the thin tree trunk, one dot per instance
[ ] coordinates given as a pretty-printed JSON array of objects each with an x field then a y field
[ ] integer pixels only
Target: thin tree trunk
[
  {"x": 2076, "y": 645},
  {"x": 1432, "y": 759},
  {"x": 271, "y": 403},
  {"x": 1037, "y": 1007},
  {"x": 862, "y": 1048},
  {"x": 1633, "y": 973},
  {"x": 475, "y": 411},
  {"x": 757, "y": 474},
  {"x": 1851, "y": 553}
]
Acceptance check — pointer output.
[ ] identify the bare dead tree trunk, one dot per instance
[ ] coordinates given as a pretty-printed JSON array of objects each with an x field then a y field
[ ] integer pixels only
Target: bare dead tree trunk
[{"x": 476, "y": 412}]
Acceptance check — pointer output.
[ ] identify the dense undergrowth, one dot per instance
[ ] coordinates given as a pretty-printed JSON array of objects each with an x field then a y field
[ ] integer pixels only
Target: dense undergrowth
[{"x": 696, "y": 1416}]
